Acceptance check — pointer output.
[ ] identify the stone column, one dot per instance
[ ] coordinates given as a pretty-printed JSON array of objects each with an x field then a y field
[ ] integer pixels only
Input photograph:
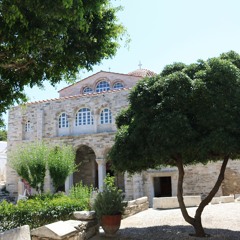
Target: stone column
[
  {"x": 40, "y": 115},
  {"x": 101, "y": 172},
  {"x": 137, "y": 186},
  {"x": 68, "y": 183},
  {"x": 71, "y": 125}
]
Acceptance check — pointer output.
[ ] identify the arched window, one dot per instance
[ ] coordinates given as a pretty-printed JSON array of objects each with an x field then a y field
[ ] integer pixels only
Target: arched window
[
  {"x": 87, "y": 90},
  {"x": 84, "y": 117},
  {"x": 106, "y": 116},
  {"x": 28, "y": 126},
  {"x": 117, "y": 85},
  {"x": 63, "y": 121},
  {"x": 102, "y": 86}
]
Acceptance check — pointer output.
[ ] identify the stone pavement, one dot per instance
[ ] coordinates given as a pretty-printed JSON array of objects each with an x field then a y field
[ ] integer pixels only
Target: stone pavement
[{"x": 222, "y": 221}]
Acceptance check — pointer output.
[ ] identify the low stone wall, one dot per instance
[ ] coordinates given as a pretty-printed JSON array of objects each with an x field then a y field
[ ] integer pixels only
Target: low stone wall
[
  {"x": 22, "y": 233},
  {"x": 85, "y": 227},
  {"x": 172, "y": 202},
  {"x": 136, "y": 206},
  {"x": 223, "y": 199}
]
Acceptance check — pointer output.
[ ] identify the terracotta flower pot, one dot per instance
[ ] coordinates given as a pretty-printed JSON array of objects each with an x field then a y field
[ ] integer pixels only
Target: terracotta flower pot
[{"x": 111, "y": 224}]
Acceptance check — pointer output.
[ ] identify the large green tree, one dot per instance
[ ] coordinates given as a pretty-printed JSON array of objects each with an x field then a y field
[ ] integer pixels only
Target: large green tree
[
  {"x": 51, "y": 40},
  {"x": 188, "y": 114}
]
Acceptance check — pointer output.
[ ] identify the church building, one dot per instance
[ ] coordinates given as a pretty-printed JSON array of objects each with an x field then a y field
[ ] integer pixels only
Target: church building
[{"x": 84, "y": 117}]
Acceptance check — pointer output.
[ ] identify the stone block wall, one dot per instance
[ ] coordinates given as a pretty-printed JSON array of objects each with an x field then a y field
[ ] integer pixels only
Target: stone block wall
[
  {"x": 136, "y": 206},
  {"x": 20, "y": 233}
]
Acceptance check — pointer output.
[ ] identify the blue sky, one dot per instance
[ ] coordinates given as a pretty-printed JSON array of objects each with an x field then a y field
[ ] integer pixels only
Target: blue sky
[{"x": 167, "y": 31}]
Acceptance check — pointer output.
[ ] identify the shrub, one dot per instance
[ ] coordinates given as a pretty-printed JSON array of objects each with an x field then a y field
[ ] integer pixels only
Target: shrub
[
  {"x": 29, "y": 161},
  {"x": 61, "y": 163},
  {"x": 82, "y": 193},
  {"x": 38, "y": 211},
  {"x": 110, "y": 201}
]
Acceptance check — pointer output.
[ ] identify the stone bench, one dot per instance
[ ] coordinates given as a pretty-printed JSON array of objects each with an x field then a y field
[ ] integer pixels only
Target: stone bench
[
  {"x": 223, "y": 199},
  {"x": 172, "y": 202}
]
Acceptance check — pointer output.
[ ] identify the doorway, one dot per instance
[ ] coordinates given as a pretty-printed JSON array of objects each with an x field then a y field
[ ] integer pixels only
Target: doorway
[
  {"x": 87, "y": 167},
  {"x": 162, "y": 186}
]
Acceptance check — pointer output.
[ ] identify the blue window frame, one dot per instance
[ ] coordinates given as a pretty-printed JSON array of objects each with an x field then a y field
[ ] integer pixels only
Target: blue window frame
[
  {"x": 118, "y": 85},
  {"x": 63, "y": 121},
  {"x": 87, "y": 90},
  {"x": 106, "y": 116},
  {"x": 84, "y": 117},
  {"x": 102, "y": 86}
]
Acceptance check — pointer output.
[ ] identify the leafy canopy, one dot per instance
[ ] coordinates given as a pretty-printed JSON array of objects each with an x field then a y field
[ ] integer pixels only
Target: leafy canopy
[
  {"x": 188, "y": 112},
  {"x": 50, "y": 40}
]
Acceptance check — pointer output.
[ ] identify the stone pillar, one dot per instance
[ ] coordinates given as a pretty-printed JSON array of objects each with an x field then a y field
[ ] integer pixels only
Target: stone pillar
[
  {"x": 137, "y": 186},
  {"x": 128, "y": 182},
  {"x": 68, "y": 183},
  {"x": 71, "y": 125},
  {"x": 101, "y": 172},
  {"x": 40, "y": 121}
]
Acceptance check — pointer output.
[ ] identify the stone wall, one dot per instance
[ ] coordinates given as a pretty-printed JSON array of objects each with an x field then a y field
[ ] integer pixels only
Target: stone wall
[
  {"x": 44, "y": 115},
  {"x": 76, "y": 89},
  {"x": 136, "y": 206},
  {"x": 231, "y": 183},
  {"x": 3, "y": 160},
  {"x": 20, "y": 233},
  {"x": 198, "y": 180}
]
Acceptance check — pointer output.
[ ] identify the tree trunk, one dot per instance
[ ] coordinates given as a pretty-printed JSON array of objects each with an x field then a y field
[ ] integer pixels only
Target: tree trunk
[{"x": 196, "y": 222}]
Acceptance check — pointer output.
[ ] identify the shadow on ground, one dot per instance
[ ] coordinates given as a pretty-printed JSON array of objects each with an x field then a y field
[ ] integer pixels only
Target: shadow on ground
[{"x": 167, "y": 232}]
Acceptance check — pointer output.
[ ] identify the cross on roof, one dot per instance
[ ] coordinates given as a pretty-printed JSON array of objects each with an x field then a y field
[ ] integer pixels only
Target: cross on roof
[{"x": 140, "y": 65}]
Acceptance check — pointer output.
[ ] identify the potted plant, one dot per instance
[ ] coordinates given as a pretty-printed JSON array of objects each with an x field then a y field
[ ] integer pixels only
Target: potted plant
[{"x": 109, "y": 206}]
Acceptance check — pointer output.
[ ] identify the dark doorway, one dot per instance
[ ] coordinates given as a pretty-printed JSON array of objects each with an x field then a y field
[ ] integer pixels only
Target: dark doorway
[
  {"x": 162, "y": 186},
  {"x": 87, "y": 167}
]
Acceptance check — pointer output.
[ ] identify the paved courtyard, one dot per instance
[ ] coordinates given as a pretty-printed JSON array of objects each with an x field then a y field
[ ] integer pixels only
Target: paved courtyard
[{"x": 222, "y": 221}]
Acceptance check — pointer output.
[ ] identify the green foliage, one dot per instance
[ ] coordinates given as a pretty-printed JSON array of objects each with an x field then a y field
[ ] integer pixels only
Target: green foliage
[
  {"x": 52, "y": 40},
  {"x": 61, "y": 163},
  {"x": 38, "y": 211},
  {"x": 3, "y": 135},
  {"x": 189, "y": 113},
  {"x": 110, "y": 200},
  {"x": 29, "y": 161},
  {"x": 81, "y": 193},
  {"x": 33, "y": 159}
]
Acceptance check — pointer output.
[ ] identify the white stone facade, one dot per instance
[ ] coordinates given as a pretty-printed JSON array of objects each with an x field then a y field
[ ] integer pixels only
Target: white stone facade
[
  {"x": 86, "y": 120},
  {"x": 3, "y": 160}
]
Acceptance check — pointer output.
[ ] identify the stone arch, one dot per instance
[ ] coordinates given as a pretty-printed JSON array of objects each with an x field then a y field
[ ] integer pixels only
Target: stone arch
[{"x": 87, "y": 167}]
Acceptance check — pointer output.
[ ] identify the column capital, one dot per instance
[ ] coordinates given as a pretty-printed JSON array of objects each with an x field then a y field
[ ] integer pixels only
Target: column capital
[{"x": 101, "y": 161}]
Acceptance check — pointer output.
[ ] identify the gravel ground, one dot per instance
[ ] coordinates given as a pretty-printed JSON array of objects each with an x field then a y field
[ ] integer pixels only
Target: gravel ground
[{"x": 221, "y": 221}]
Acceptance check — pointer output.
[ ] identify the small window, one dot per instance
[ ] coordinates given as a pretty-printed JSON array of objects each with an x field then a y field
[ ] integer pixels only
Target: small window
[
  {"x": 102, "y": 86},
  {"x": 63, "y": 121},
  {"x": 28, "y": 126},
  {"x": 84, "y": 117},
  {"x": 118, "y": 85},
  {"x": 106, "y": 116},
  {"x": 87, "y": 90}
]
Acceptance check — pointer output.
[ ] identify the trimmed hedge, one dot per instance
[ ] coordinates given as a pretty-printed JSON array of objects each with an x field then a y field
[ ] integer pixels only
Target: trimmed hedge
[{"x": 38, "y": 211}]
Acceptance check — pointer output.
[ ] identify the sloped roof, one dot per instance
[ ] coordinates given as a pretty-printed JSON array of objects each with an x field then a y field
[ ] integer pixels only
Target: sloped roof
[{"x": 142, "y": 73}]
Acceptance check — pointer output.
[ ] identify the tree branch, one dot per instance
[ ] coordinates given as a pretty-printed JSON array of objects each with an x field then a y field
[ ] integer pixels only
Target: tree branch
[
  {"x": 215, "y": 189},
  {"x": 181, "y": 173}
]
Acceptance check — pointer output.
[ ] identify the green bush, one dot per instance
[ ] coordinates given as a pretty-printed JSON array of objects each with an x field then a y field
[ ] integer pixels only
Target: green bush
[
  {"x": 38, "y": 211},
  {"x": 82, "y": 193}
]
